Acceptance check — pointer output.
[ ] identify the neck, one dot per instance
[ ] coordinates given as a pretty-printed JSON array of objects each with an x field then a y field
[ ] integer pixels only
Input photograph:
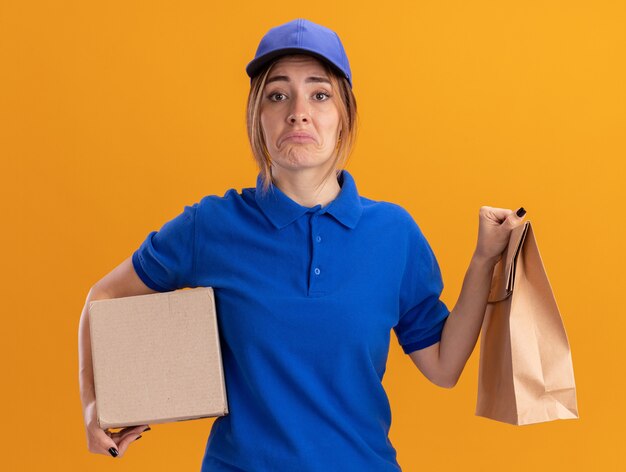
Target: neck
[{"x": 303, "y": 186}]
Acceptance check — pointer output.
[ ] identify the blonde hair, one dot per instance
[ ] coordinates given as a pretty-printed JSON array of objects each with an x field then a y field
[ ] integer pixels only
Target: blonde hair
[{"x": 347, "y": 118}]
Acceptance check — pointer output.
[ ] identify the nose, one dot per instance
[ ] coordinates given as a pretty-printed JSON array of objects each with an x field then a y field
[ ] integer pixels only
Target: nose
[{"x": 298, "y": 112}]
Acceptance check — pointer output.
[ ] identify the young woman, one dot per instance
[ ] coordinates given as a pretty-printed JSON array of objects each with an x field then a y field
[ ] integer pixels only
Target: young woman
[{"x": 309, "y": 277}]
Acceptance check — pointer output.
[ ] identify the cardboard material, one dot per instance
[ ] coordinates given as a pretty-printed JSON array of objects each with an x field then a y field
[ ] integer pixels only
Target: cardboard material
[
  {"x": 525, "y": 370},
  {"x": 157, "y": 358}
]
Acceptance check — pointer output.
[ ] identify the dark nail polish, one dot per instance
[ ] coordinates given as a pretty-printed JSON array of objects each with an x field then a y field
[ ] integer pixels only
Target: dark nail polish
[
  {"x": 147, "y": 429},
  {"x": 138, "y": 437},
  {"x": 521, "y": 212},
  {"x": 114, "y": 452}
]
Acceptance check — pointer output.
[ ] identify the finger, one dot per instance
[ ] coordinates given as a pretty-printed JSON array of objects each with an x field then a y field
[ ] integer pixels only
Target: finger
[
  {"x": 105, "y": 444},
  {"x": 126, "y": 440},
  {"x": 121, "y": 433},
  {"x": 495, "y": 215},
  {"x": 515, "y": 218},
  {"x": 131, "y": 432}
]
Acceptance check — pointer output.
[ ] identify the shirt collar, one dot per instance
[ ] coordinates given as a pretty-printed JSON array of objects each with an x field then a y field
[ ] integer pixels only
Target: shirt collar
[{"x": 282, "y": 210}]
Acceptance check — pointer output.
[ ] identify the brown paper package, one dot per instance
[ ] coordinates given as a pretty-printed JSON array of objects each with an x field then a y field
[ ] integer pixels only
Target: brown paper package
[
  {"x": 157, "y": 358},
  {"x": 525, "y": 368}
]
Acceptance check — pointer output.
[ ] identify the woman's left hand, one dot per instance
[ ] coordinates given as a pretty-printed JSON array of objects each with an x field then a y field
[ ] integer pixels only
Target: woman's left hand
[{"x": 494, "y": 229}]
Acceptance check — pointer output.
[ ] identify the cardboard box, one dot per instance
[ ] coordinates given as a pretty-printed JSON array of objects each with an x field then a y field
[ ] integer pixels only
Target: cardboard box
[{"x": 157, "y": 358}]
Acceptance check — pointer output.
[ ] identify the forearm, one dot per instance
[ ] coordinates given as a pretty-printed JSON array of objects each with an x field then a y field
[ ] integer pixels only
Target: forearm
[
  {"x": 463, "y": 326},
  {"x": 85, "y": 366}
]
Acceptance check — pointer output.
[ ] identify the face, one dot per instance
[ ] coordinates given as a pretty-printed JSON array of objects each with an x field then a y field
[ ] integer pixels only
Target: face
[{"x": 298, "y": 99}]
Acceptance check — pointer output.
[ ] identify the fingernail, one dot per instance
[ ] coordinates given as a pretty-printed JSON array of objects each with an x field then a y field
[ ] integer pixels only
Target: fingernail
[
  {"x": 138, "y": 437},
  {"x": 113, "y": 452},
  {"x": 521, "y": 212},
  {"x": 147, "y": 429}
]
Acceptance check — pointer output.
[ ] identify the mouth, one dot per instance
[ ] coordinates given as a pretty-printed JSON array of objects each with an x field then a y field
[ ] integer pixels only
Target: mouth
[{"x": 298, "y": 138}]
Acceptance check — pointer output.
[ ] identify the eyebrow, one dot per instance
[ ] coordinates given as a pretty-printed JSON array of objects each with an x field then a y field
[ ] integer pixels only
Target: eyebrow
[{"x": 308, "y": 79}]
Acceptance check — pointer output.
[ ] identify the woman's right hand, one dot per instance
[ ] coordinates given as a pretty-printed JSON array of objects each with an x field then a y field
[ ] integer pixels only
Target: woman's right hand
[
  {"x": 104, "y": 442},
  {"x": 122, "y": 281}
]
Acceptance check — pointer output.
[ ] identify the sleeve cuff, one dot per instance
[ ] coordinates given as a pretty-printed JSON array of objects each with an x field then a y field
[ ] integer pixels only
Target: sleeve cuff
[
  {"x": 422, "y": 343},
  {"x": 143, "y": 276}
]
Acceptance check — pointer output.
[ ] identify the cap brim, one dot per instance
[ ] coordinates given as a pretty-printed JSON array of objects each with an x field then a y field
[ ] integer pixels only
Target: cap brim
[{"x": 257, "y": 65}]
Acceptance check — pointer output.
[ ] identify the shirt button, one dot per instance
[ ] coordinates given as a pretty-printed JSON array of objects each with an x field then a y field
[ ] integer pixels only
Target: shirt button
[
  {"x": 317, "y": 271},
  {"x": 319, "y": 238}
]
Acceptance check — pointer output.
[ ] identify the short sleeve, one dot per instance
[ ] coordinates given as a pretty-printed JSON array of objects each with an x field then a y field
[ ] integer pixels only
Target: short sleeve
[
  {"x": 422, "y": 313},
  {"x": 165, "y": 259}
]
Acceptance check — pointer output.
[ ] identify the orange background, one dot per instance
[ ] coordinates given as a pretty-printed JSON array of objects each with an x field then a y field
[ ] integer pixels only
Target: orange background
[{"x": 114, "y": 115}]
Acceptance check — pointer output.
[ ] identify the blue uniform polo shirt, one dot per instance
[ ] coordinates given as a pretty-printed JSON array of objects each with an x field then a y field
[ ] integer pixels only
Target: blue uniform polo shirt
[{"x": 306, "y": 299}]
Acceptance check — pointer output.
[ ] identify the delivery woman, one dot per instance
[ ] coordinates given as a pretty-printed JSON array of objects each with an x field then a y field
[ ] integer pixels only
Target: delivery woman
[{"x": 310, "y": 277}]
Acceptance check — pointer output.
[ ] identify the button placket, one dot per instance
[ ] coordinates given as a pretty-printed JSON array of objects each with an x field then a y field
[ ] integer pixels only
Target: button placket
[{"x": 315, "y": 270}]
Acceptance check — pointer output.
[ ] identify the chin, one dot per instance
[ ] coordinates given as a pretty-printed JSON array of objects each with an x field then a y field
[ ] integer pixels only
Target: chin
[{"x": 298, "y": 160}]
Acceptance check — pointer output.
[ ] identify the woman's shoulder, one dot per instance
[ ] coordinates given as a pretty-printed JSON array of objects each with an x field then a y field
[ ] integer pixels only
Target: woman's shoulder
[
  {"x": 389, "y": 212},
  {"x": 230, "y": 199},
  {"x": 231, "y": 206}
]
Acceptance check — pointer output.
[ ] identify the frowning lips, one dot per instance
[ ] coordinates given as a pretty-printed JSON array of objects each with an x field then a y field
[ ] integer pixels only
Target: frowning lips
[{"x": 298, "y": 136}]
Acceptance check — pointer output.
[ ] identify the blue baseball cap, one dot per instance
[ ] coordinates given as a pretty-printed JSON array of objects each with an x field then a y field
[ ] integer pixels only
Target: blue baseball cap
[{"x": 301, "y": 36}]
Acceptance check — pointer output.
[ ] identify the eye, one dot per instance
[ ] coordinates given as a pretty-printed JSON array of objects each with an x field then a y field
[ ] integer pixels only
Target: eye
[
  {"x": 325, "y": 94},
  {"x": 271, "y": 95}
]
